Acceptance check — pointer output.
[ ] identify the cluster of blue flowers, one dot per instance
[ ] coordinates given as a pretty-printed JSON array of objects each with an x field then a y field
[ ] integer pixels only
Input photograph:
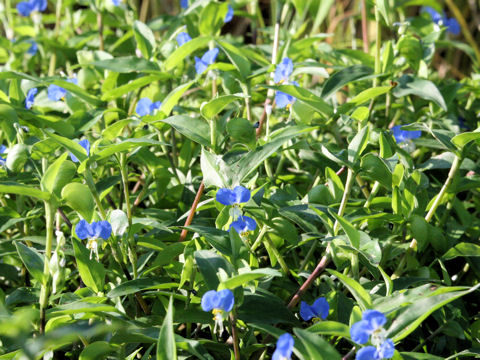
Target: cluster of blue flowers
[
  {"x": 95, "y": 232},
  {"x": 219, "y": 303},
  {"x": 371, "y": 327},
  {"x": 281, "y": 75},
  {"x": 242, "y": 224},
  {"x": 25, "y": 8},
  {"x": 451, "y": 23}
]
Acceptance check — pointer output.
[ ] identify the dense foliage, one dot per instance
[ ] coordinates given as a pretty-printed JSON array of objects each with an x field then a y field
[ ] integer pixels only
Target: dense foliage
[{"x": 243, "y": 179}]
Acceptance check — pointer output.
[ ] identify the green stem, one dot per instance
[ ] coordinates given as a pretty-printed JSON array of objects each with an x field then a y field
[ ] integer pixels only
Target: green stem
[
  {"x": 277, "y": 254},
  {"x": 375, "y": 188},
  {"x": 93, "y": 190},
  {"x": 346, "y": 195},
  {"x": 53, "y": 58},
  {"x": 44, "y": 294}
]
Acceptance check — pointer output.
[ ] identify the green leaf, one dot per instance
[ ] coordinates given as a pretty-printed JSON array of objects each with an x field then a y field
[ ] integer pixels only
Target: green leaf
[
  {"x": 127, "y": 64},
  {"x": 133, "y": 85},
  {"x": 239, "y": 280},
  {"x": 352, "y": 233},
  {"x": 410, "y": 317},
  {"x": 215, "y": 106},
  {"x": 309, "y": 98},
  {"x": 343, "y": 77},
  {"x": 97, "y": 350},
  {"x": 213, "y": 169},
  {"x": 461, "y": 140},
  {"x": 212, "y": 18},
  {"x": 209, "y": 263},
  {"x": 172, "y": 98},
  {"x": 17, "y": 157},
  {"x": 183, "y": 51},
  {"x": 241, "y": 130},
  {"x": 125, "y": 145},
  {"x": 70, "y": 145},
  {"x": 166, "y": 347},
  {"x": 32, "y": 260},
  {"x": 92, "y": 272},
  {"x": 364, "y": 96},
  {"x": 145, "y": 39},
  {"x": 80, "y": 199},
  {"x": 330, "y": 328},
  {"x": 375, "y": 168},
  {"x": 11, "y": 187},
  {"x": 79, "y": 92},
  {"x": 425, "y": 89},
  {"x": 462, "y": 249},
  {"x": 193, "y": 128},
  {"x": 385, "y": 10},
  {"x": 358, "y": 144},
  {"x": 317, "y": 348},
  {"x": 58, "y": 175},
  {"x": 358, "y": 292},
  {"x": 136, "y": 285},
  {"x": 236, "y": 58}
]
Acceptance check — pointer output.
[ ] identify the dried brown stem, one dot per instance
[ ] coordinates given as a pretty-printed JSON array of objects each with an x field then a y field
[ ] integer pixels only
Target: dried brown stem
[{"x": 184, "y": 232}]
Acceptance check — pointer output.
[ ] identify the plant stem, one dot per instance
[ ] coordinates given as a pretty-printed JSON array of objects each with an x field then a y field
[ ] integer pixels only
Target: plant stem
[
  {"x": 236, "y": 349},
  {"x": 183, "y": 234},
  {"x": 100, "y": 29},
  {"x": 93, "y": 190},
  {"x": 53, "y": 59},
  {"x": 346, "y": 195},
  {"x": 364, "y": 27},
  {"x": 44, "y": 294},
  {"x": 277, "y": 254},
  {"x": 374, "y": 191}
]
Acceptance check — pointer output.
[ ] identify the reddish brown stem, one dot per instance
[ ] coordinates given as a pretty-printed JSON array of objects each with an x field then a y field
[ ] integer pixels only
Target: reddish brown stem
[
  {"x": 183, "y": 235},
  {"x": 365, "y": 27},
  {"x": 236, "y": 349}
]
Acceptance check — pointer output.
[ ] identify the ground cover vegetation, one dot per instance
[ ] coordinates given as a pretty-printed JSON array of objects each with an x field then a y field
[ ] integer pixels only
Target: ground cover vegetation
[{"x": 200, "y": 179}]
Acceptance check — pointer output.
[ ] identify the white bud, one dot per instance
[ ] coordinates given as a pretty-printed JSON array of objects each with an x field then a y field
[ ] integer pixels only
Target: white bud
[{"x": 119, "y": 222}]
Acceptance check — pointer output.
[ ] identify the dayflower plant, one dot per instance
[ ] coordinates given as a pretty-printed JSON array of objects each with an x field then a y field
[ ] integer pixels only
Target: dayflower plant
[
  {"x": 56, "y": 92},
  {"x": 26, "y": 7},
  {"x": 145, "y": 106},
  {"x": 183, "y": 38},
  {"x": 284, "y": 348},
  {"x": 86, "y": 145},
  {"x": 243, "y": 225},
  {"x": 184, "y": 4},
  {"x": 219, "y": 303},
  {"x": 32, "y": 50},
  {"x": 30, "y": 98},
  {"x": 234, "y": 197},
  {"x": 281, "y": 75},
  {"x": 451, "y": 23},
  {"x": 404, "y": 137},
  {"x": 318, "y": 310},
  {"x": 201, "y": 64},
  {"x": 371, "y": 327},
  {"x": 95, "y": 232}
]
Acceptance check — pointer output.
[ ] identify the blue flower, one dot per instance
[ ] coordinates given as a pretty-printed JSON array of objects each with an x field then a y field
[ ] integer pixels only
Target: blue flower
[
  {"x": 56, "y": 92},
  {"x": 30, "y": 98},
  {"x": 145, "y": 106},
  {"x": 183, "y": 38},
  {"x": 94, "y": 232},
  {"x": 207, "y": 59},
  {"x": 184, "y": 4},
  {"x": 3, "y": 150},
  {"x": 229, "y": 15},
  {"x": 371, "y": 327},
  {"x": 116, "y": 2},
  {"x": 24, "y": 8},
  {"x": 219, "y": 302},
  {"x": 284, "y": 100},
  {"x": 283, "y": 71},
  {"x": 451, "y": 23},
  {"x": 32, "y": 50},
  {"x": 238, "y": 195},
  {"x": 284, "y": 348},
  {"x": 319, "y": 309},
  {"x": 86, "y": 145},
  {"x": 243, "y": 225},
  {"x": 404, "y": 135}
]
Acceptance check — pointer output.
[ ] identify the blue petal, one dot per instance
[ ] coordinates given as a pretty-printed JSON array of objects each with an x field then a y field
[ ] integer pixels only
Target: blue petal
[
  {"x": 73, "y": 80},
  {"x": 32, "y": 50},
  {"x": 404, "y": 135},
  {"x": 306, "y": 311},
  {"x": 155, "y": 106},
  {"x": 387, "y": 349},
  {"x": 375, "y": 318},
  {"x": 251, "y": 224},
  {"x": 3, "y": 149},
  {"x": 209, "y": 300},
  {"x": 282, "y": 99},
  {"x": 24, "y": 8},
  {"x": 184, "y": 4},
  {"x": 102, "y": 229},
  {"x": 39, "y": 5},
  {"x": 210, "y": 56},
  {"x": 229, "y": 15},
  {"x": 436, "y": 16},
  {"x": 86, "y": 145},
  {"x": 83, "y": 229},
  {"x": 321, "y": 308},
  {"x": 183, "y": 38},
  {"x": 226, "y": 299},
  {"x": 225, "y": 196},
  {"x": 284, "y": 347},
  {"x": 360, "y": 331},
  {"x": 283, "y": 70},
  {"x": 143, "y": 107},
  {"x": 116, "y": 2},
  {"x": 56, "y": 92},
  {"x": 30, "y": 98},
  {"x": 241, "y": 194},
  {"x": 200, "y": 66},
  {"x": 367, "y": 353},
  {"x": 453, "y": 26},
  {"x": 245, "y": 223}
]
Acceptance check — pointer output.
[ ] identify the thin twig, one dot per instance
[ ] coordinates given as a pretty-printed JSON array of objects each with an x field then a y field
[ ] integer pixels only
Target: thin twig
[{"x": 184, "y": 232}]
